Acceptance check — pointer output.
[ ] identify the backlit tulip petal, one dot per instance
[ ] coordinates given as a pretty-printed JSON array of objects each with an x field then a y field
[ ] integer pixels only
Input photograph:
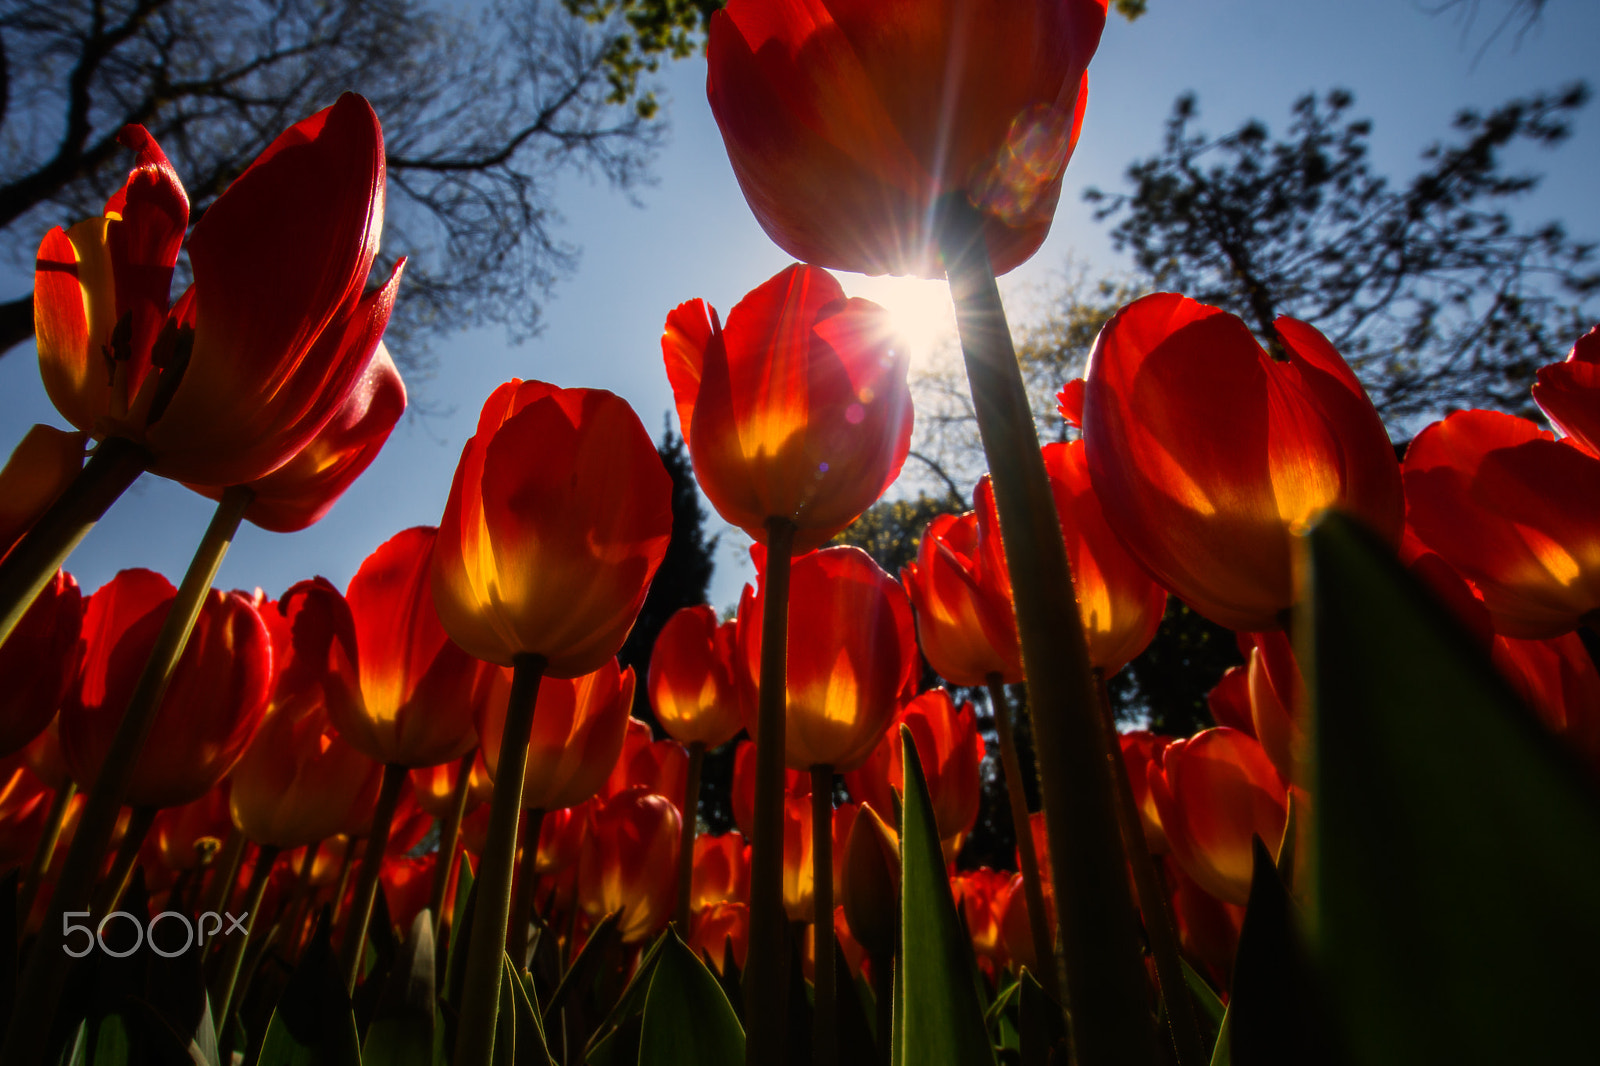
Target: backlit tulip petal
[
  {"x": 1569, "y": 393},
  {"x": 1557, "y": 679},
  {"x": 965, "y": 621},
  {"x": 40, "y": 467},
  {"x": 634, "y": 838},
  {"x": 691, "y": 678},
  {"x": 721, "y": 870},
  {"x": 743, "y": 801},
  {"x": 39, "y": 662},
  {"x": 1207, "y": 455},
  {"x": 662, "y": 766}
]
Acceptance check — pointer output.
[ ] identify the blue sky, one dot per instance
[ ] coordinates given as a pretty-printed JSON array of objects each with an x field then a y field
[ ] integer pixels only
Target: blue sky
[{"x": 693, "y": 236}]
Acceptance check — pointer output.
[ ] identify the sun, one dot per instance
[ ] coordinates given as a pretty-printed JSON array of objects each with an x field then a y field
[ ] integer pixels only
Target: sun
[{"x": 920, "y": 310}]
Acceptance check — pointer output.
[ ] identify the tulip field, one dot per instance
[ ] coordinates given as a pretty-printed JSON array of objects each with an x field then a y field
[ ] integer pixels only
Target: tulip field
[{"x": 411, "y": 821}]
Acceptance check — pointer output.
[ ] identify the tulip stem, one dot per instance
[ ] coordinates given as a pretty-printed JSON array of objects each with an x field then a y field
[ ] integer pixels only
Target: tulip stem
[
  {"x": 764, "y": 985},
  {"x": 39, "y": 990},
  {"x": 449, "y": 832},
  {"x": 480, "y": 998},
  {"x": 233, "y": 953},
  {"x": 689, "y": 809},
  {"x": 116, "y": 882},
  {"x": 1032, "y": 883},
  {"x": 522, "y": 902},
  {"x": 44, "y": 852},
  {"x": 355, "y": 933},
  {"x": 116, "y": 463},
  {"x": 1103, "y": 970},
  {"x": 1158, "y": 926},
  {"x": 824, "y": 1038}
]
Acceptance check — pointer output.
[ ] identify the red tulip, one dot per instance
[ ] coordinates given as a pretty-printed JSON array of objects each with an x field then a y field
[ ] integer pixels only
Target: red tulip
[
  {"x": 578, "y": 728},
  {"x": 407, "y": 884},
  {"x": 1209, "y": 512},
  {"x": 1514, "y": 511},
  {"x": 406, "y": 693},
  {"x": 1120, "y": 606},
  {"x": 1557, "y": 679},
  {"x": 1141, "y": 751},
  {"x": 721, "y": 929},
  {"x": 298, "y": 493},
  {"x": 847, "y": 123},
  {"x": 1569, "y": 393},
  {"x": 1277, "y": 701},
  {"x": 1208, "y": 928},
  {"x": 39, "y": 661},
  {"x": 962, "y": 595},
  {"x": 662, "y": 766},
  {"x": 691, "y": 678},
  {"x": 1228, "y": 702},
  {"x": 796, "y": 783},
  {"x": 951, "y": 751},
  {"x": 41, "y": 466},
  {"x": 254, "y": 359},
  {"x": 981, "y": 894},
  {"x": 799, "y": 886},
  {"x": 183, "y": 838},
  {"x": 1216, "y": 791},
  {"x": 551, "y": 555},
  {"x": 634, "y": 838},
  {"x": 435, "y": 786},
  {"x": 212, "y": 706},
  {"x": 869, "y": 881},
  {"x": 798, "y": 410},
  {"x": 24, "y": 803},
  {"x": 721, "y": 870},
  {"x": 852, "y": 655}
]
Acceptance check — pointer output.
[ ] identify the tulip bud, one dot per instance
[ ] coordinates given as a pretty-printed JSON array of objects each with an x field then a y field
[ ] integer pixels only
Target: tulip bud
[{"x": 871, "y": 890}]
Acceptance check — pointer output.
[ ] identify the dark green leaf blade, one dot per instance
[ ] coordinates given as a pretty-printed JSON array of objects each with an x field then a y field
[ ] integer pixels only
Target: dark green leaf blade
[
  {"x": 688, "y": 1020},
  {"x": 401, "y": 1033},
  {"x": 314, "y": 1024}
]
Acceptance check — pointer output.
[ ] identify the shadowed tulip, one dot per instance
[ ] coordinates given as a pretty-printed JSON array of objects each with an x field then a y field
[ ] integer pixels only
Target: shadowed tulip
[
  {"x": 1208, "y": 928},
  {"x": 632, "y": 844},
  {"x": 41, "y": 466},
  {"x": 799, "y": 409},
  {"x": 662, "y": 766},
  {"x": 799, "y": 888},
  {"x": 1514, "y": 511},
  {"x": 951, "y": 750},
  {"x": 1557, "y": 679},
  {"x": 869, "y": 889},
  {"x": 244, "y": 369},
  {"x": 1216, "y": 791},
  {"x": 212, "y": 706},
  {"x": 847, "y": 123},
  {"x": 435, "y": 786},
  {"x": 187, "y": 837},
  {"x": 852, "y": 655},
  {"x": 1141, "y": 751},
  {"x": 39, "y": 662},
  {"x": 691, "y": 679},
  {"x": 962, "y": 595},
  {"x": 407, "y": 880},
  {"x": 1569, "y": 393},
  {"x": 578, "y": 730},
  {"x": 1228, "y": 702},
  {"x": 719, "y": 929},
  {"x": 981, "y": 894},
  {"x": 796, "y": 783},
  {"x": 721, "y": 870},
  {"x": 558, "y": 516},
  {"x": 1277, "y": 701},
  {"x": 1207, "y": 455},
  {"x": 24, "y": 804}
]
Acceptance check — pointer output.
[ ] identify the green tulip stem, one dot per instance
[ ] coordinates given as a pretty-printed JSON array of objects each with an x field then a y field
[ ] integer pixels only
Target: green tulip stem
[
  {"x": 355, "y": 933},
  {"x": 824, "y": 1016},
  {"x": 688, "y": 810},
  {"x": 449, "y": 833},
  {"x": 39, "y": 990},
  {"x": 525, "y": 883},
  {"x": 764, "y": 977},
  {"x": 1032, "y": 884},
  {"x": 1159, "y": 929},
  {"x": 116, "y": 463},
  {"x": 1103, "y": 976},
  {"x": 234, "y": 945},
  {"x": 480, "y": 999},
  {"x": 115, "y": 883},
  {"x": 44, "y": 852}
]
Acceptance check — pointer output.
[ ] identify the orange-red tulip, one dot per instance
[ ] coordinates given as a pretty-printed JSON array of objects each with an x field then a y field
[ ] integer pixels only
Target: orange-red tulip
[
  {"x": 298, "y": 493},
  {"x": 1277, "y": 700},
  {"x": 252, "y": 361},
  {"x": 405, "y": 693},
  {"x": 39, "y": 469},
  {"x": 847, "y": 123},
  {"x": 962, "y": 595},
  {"x": 407, "y": 883},
  {"x": 578, "y": 729},
  {"x": 24, "y": 803},
  {"x": 632, "y": 845},
  {"x": 852, "y": 655},
  {"x": 212, "y": 706},
  {"x": 796, "y": 783},
  {"x": 558, "y": 516},
  {"x": 181, "y": 838},
  {"x": 1208, "y": 928},
  {"x": 798, "y": 410},
  {"x": 662, "y": 766},
  {"x": 1557, "y": 679},
  {"x": 1216, "y": 791},
  {"x": 721, "y": 870},
  {"x": 799, "y": 886},
  {"x": 435, "y": 787},
  {"x": 1120, "y": 605},
  {"x": 1141, "y": 752},
  {"x": 1207, "y": 455},
  {"x": 951, "y": 751},
  {"x": 39, "y": 662},
  {"x": 1228, "y": 702},
  {"x": 869, "y": 882},
  {"x": 691, "y": 678},
  {"x": 719, "y": 929},
  {"x": 1569, "y": 393},
  {"x": 981, "y": 894},
  {"x": 1514, "y": 511}
]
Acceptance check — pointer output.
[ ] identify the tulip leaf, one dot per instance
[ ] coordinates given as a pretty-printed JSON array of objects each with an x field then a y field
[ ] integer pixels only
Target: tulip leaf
[
  {"x": 402, "y": 1029},
  {"x": 577, "y": 977},
  {"x": 688, "y": 1020},
  {"x": 1456, "y": 845},
  {"x": 1272, "y": 1013},
  {"x": 1205, "y": 996},
  {"x": 460, "y": 926},
  {"x": 313, "y": 1024},
  {"x": 938, "y": 1015},
  {"x": 531, "y": 1048},
  {"x": 1039, "y": 1024},
  {"x": 620, "y": 1029}
]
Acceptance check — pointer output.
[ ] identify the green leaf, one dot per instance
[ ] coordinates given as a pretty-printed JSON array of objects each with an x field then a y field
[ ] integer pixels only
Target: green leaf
[
  {"x": 531, "y": 1049},
  {"x": 618, "y": 1029},
  {"x": 577, "y": 977},
  {"x": 460, "y": 927},
  {"x": 402, "y": 1030},
  {"x": 1040, "y": 1025},
  {"x": 1456, "y": 845},
  {"x": 313, "y": 1024},
  {"x": 112, "y": 1046},
  {"x": 688, "y": 1021},
  {"x": 1272, "y": 1016},
  {"x": 1205, "y": 996},
  {"x": 938, "y": 1015}
]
